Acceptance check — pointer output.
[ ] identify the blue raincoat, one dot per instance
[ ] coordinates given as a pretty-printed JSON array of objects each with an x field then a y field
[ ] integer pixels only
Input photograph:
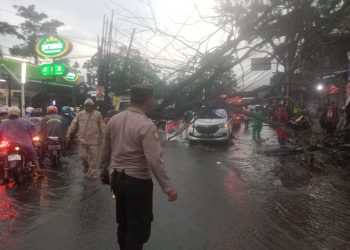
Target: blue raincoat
[{"x": 20, "y": 131}]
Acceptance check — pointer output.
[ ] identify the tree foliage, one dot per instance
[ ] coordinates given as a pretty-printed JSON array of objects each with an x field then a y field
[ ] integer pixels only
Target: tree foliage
[
  {"x": 8, "y": 29},
  {"x": 286, "y": 25},
  {"x": 123, "y": 74},
  {"x": 35, "y": 25}
]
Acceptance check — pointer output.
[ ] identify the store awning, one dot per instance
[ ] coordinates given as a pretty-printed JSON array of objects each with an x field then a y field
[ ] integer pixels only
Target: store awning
[{"x": 33, "y": 74}]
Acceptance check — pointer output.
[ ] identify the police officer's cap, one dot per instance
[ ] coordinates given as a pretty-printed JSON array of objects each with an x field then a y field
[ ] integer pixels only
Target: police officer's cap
[{"x": 141, "y": 93}]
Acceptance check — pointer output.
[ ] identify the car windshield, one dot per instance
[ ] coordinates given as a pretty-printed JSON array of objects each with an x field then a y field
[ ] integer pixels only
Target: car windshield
[{"x": 212, "y": 114}]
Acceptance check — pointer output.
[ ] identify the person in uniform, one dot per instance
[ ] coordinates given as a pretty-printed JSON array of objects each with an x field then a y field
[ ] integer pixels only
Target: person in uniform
[
  {"x": 90, "y": 129},
  {"x": 133, "y": 153}
]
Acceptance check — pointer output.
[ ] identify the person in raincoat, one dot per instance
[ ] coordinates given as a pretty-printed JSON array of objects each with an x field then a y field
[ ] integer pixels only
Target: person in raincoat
[
  {"x": 257, "y": 124},
  {"x": 67, "y": 115},
  {"x": 3, "y": 113},
  {"x": 90, "y": 129},
  {"x": 20, "y": 130}
]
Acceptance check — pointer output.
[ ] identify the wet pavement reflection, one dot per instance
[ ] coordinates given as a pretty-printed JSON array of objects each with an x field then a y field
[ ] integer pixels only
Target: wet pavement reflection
[{"x": 230, "y": 197}]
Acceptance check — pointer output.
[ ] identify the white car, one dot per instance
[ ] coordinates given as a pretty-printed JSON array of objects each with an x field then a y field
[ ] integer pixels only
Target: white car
[{"x": 211, "y": 125}]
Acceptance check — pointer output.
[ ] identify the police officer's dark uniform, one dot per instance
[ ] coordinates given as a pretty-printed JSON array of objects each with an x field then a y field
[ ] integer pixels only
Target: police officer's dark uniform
[{"x": 133, "y": 152}]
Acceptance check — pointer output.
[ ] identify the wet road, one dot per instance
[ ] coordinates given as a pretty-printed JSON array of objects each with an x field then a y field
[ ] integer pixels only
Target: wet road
[{"x": 229, "y": 198}]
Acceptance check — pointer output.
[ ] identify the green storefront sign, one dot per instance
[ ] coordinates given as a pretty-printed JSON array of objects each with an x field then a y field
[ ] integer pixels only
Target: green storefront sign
[
  {"x": 71, "y": 76},
  {"x": 53, "y": 47},
  {"x": 54, "y": 69}
]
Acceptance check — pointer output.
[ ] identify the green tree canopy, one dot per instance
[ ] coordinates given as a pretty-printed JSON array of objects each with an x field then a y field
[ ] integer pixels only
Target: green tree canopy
[
  {"x": 287, "y": 27},
  {"x": 35, "y": 25},
  {"x": 8, "y": 29},
  {"x": 124, "y": 74}
]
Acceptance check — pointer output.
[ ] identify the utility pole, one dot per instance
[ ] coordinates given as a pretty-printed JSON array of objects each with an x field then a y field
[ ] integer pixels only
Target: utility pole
[
  {"x": 108, "y": 61},
  {"x": 104, "y": 55},
  {"x": 122, "y": 75}
]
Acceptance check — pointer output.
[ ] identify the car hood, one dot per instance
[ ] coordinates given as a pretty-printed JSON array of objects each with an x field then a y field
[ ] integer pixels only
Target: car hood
[{"x": 208, "y": 122}]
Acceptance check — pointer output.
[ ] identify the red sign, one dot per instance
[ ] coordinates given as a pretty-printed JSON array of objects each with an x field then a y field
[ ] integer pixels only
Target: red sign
[{"x": 100, "y": 93}]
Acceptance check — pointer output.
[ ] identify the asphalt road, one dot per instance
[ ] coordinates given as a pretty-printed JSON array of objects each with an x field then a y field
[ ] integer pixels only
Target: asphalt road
[{"x": 229, "y": 198}]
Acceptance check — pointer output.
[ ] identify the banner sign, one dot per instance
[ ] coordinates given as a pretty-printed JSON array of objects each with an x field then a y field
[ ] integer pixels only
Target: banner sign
[
  {"x": 100, "y": 93},
  {"x": 54, "y": 69},
  {"x": 71, "y": 76},
  {"x": 261, "y": 64},
  {"x": 53, "y": 47}
]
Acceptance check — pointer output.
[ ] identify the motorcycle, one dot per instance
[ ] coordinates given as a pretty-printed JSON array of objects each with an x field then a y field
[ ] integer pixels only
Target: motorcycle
[
  {"x": 301, "y": 121},
  {"x": 54, "y": 151},
  {"x": 37, "y": 145},
  {"x": 14, "y": 161}
]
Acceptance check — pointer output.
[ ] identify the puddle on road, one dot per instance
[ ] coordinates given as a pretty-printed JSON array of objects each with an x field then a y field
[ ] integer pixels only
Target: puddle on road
[{"x": 307, "y": 205}]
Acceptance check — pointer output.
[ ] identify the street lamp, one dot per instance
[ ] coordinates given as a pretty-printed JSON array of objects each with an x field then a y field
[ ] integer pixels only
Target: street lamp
[
  {"x": 23, "y": 81},
  {"x": 348, "y": 54}
]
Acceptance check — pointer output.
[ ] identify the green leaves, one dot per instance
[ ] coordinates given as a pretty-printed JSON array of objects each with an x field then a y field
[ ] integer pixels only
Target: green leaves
[
  {"x": 35, "y": 25},
  {"x": 8, "y": 29}
]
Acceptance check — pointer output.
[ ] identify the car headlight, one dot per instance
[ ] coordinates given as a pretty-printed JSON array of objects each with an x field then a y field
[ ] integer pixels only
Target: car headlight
[{"x": 224, "y": 125}]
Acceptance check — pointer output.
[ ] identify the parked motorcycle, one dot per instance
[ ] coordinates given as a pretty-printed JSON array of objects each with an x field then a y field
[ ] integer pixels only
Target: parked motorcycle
[
  {"x": 301, "y": 121},
  {"x": 14, "y": 161}
]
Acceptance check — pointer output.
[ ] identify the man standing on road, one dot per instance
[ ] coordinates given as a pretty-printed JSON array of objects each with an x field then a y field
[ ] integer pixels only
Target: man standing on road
[
  {"x": 257, "y": 123},
  {"x": 90, "y": 129},
  {"x": 133, "y": 151}
]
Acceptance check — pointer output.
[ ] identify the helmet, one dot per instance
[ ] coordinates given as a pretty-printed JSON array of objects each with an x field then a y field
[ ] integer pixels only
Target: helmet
[
  {"x": 29, "y": 110},
  {"x": 65, "y": 109},
  {"x": 52, "y": 109},
  {"x": 14, "y": 111},
  {"x": 4, "y": 110},
  {"x": 37, "y": 112},
  {"x": 111, "y": 113}
]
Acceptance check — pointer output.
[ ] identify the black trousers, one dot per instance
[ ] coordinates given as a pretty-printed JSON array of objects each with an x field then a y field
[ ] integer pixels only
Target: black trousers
[{"x": 134, "y": 201}]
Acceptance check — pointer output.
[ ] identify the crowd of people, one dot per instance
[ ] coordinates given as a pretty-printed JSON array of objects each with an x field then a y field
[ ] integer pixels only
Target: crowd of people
[
  {"x": 333, "y": 121},
  {"x": 128, "y": 149}
]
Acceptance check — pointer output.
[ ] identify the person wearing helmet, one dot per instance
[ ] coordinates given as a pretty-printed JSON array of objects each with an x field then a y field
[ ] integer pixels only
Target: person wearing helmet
[
  {"x": 53, "y": 124},
  {"x": 3, "y": 113},
  {"x": 28, "y": 112},
  {"x": 20, "y": 130},
  {"x": 110, "y": 114},
  {"x": 67, "y": 115},
  {"x": 90, "y": 128},
  {"x": 36, "y": 118}
]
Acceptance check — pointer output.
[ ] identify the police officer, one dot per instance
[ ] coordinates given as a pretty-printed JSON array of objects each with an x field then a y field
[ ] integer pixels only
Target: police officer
[{"x": 133, "y": 153}]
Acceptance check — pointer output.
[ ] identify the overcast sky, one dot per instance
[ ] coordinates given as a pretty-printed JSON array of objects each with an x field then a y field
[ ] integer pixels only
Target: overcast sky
[{"x": 83, "y": 23}]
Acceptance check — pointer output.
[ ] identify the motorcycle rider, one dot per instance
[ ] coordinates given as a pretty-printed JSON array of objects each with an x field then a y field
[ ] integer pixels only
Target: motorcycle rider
[
  {"x": 110, "y": 114},
  {"x": 36, "y": 118},
  {"x": 19, "y": 130},
  {"x": 53, "y": 124},
  {"x": 28, "y": 112},
  {"x": 67, "y": 115},
  {"x": 3, "y": 113}
]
